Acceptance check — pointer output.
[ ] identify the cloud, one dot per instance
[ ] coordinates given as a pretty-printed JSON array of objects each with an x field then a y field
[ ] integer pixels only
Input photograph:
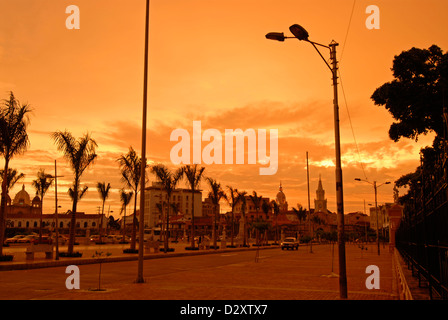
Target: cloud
[{"x": 302, "y": 128}]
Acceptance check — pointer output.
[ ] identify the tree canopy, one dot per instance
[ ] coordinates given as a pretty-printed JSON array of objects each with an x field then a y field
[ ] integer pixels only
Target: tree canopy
[{"x": 415, "y": 98}]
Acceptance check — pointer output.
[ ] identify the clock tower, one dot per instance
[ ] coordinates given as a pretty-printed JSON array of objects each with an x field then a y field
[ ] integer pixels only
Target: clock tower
[{"x": 320, "y": 203}]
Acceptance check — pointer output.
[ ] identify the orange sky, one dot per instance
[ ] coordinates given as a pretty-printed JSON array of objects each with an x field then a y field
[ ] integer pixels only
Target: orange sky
[{"x": 209, "y": 61}]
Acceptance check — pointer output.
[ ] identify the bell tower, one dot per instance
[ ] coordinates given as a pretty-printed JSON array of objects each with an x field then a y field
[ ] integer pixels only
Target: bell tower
[{"x": 320, "y": 203}]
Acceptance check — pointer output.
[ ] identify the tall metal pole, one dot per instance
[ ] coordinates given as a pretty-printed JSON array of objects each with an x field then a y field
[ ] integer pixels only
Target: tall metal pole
[
  {"x": 365, "y": 224},
  {"x": 339, "y": 190},
  {"x": 56, "y": 210},
  {"x": 377, "y": 223},
  {"x": 309, "y": 205},
  {"x": 143, "y": 158}
]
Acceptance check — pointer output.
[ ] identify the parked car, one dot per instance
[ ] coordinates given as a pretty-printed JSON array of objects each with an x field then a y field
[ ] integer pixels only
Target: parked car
[
  {"x": 104, "y": 239},
  {"x": 45, "y": 239},
  {"x": 28, "y": 239},
  {"x": 290, "y": 243},
  {"x": 94, "y": 238},
  {"x": 108, "y": 239},
  {"x": 127, "y": 239},
  {"x": 62, "y": 239},
  {"x": 15, "y": 238}
]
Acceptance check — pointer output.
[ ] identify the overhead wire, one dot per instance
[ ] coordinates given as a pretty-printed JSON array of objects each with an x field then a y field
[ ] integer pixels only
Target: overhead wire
[{"x": 343, "y": 91}]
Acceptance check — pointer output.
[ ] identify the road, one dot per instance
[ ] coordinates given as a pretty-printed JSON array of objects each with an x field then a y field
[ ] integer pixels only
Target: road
[{"x": 278, "y": 275}]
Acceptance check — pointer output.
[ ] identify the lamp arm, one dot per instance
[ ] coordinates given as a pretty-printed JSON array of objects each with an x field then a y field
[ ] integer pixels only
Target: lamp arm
[{"x": 314, "y": 45}]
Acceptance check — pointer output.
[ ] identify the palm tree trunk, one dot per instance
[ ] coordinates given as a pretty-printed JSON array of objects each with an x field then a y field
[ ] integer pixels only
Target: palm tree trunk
[
  {"x": 101, "y": 222},
  {"x": 214, "y": 228},
  {"x": 167, "y": 232},
  {"x": 244, "y": 228},
  {"x": 3, "y": 206},
  {"x": 134, "y": 223},
  {"x": 256, "y": 230},
  {"x": 192, "y": 218},
  {"x": 231, "y": 230},
  {"x": 40, "y": 222},
  {"x": 124, "y": 225},
  {"x": 71, "y": 241}
]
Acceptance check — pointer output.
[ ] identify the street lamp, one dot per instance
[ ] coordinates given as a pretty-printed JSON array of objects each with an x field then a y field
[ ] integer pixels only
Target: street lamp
[
  {"x": 375, "y": 187},
  {"x": 56, "y": 209},
  {"x": 301, "y": 34}
]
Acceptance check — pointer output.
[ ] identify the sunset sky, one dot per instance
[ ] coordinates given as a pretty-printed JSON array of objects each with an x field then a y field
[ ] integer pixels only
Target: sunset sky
[{"x": 209, "y": 60}]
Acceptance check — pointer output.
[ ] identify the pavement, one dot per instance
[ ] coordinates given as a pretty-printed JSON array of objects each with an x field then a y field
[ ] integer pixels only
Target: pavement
[
  {"x": 90, "y": 250},
  {"x": 217, "y": 275}
]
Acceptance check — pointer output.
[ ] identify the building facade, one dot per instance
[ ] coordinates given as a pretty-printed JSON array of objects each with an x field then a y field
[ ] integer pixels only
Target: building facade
[
  {"x": 25, "y": 214},
  {"x": 383, "y": 216},
  {"x": 156, "y": 204}
]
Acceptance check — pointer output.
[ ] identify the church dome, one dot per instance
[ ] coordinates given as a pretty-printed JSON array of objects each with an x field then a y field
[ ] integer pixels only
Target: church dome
[
  {"x": 22, "y": 198},
  {"x": 36, "y": 201},
  {"x": 281, "y": 199}
]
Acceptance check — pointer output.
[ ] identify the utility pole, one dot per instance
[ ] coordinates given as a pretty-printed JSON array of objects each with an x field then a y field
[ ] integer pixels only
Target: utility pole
[
  {"x": 339, "y": 191},
  {"x": 56, "y": 210},
  {"x": 377, "y": 223},
  {"x": 309, "y": 205}
]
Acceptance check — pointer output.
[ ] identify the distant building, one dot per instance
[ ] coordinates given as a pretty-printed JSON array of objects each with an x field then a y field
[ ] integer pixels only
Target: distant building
[
  {"x": 251, "y": 212},
  {"x": 156, "y": 203},
  {"x": 208, "y": 208},
  {"x": 383, "y": 216},
  {"x": 281, "y": 199},
  {"x": 22, "y": 204},
  {"x": 24, "y": 213},
  {"x": 320, "y": 203}
]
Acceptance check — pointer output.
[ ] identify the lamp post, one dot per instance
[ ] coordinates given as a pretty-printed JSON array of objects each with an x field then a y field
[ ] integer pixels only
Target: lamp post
[
  {"x": 300, "y": 33},
  {"x": 141, "y": 224},
  {"x": 375, "y": 187},
  {"x": 309, "y": 206},
  {"x": 56, "y": 209}
]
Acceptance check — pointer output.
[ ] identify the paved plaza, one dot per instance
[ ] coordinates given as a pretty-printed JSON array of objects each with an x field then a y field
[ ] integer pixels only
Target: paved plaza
[{"x": 230, "y": 274}]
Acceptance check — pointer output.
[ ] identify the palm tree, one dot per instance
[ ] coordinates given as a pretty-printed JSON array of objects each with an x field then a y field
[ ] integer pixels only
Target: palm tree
[
  {"x": 169, "y": 181},
  {"x": 130, "y": 166},
  {"x": 125, "y": 198},
  {"x": 12, "y": 178},
  {"x": 232, "y": 200},
  {"x": 216, "y": 194},
  {"x": 193, "y": 175},
  {"x": 80, "y": 154},
  {"x": 266, "y": 209},
  {"x": 276, "y": 210},
  {"x": 242, "y": 199},
  {"x": 80, "y": 193},
  {"x": 41, "y": 184},
  {"x": 300, "y": 213},
  {"x": 103, "y": 191},
  {"x": 13, "y": 141},
  {"x": 256, "y": 200}
]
